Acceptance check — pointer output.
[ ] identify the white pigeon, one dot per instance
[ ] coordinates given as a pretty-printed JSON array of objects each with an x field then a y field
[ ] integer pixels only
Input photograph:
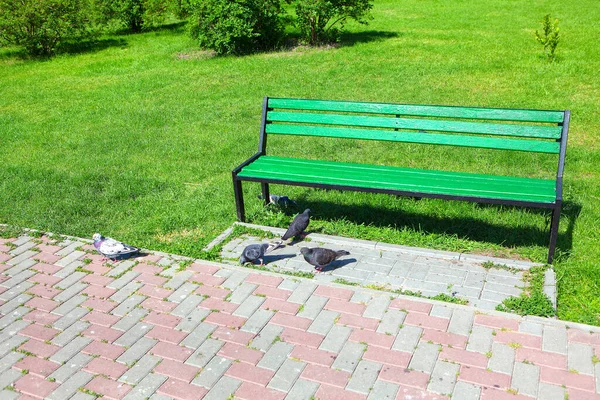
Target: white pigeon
[{"x": 111, "y": 248}]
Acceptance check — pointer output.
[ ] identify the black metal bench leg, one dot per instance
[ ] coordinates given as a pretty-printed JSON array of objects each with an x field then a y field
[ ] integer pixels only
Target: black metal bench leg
[
  {"x": 553, "y": 232},
  {"x": 239, "y": 199},
  {"x": 265, "y": 192}
]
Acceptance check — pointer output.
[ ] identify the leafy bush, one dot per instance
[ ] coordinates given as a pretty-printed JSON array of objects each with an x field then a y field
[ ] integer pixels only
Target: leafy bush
[
  {"x": 236, "y": 26},
  {"x": 319, "y": 20},
  {"x": 550, "y": 37},
  {"x": 42, "y": 25},
  {"x": 136, "y": 15}
]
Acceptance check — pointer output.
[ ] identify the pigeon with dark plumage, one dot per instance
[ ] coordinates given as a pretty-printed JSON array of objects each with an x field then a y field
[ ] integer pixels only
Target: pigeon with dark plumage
[
  {"x": 321, "y": 257},
  {"x": 255, "y": 252},
  {"x": 298, "y": 225},
  {"x": 111, "y": 248}
]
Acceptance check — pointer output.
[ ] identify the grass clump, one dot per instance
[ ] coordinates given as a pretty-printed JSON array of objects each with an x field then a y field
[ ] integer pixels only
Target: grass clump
[
  {"x": 450, "y": 299},
  {"x": 7, "y": 232},
  {"x": 343, "y": 281},
  {"x": 492, "y": 265}
]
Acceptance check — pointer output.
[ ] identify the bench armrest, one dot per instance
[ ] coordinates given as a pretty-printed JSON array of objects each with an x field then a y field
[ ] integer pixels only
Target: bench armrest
[
  {"x": 559, "y": 189},
  {"x": 248, "y": 161}
]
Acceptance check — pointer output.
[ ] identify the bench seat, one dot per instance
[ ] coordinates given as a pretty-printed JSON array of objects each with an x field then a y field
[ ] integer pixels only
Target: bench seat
[{"x": 408, "y": 180}]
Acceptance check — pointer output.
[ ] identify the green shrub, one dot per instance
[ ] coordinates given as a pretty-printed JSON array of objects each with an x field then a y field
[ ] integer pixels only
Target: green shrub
[
  {"x": 550, "y": 37},
  {"x": 320, "y": 21},
  {"x": 236, "y": 26},
  {"x": 40, "y": 26}
]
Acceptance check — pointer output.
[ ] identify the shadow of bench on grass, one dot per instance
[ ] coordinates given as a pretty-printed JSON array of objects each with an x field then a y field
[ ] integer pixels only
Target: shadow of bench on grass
[{"x": 466, "y": 227}]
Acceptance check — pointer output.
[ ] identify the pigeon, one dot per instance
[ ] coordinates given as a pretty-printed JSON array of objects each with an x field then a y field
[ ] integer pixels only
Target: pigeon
[
  {"x": 281, "y": 201},
  {"x": 298, "y": 225},
  {"x": 255, "y": 252},
  {"x": 320, "y": 257},
  {"x": 111, "y": 248}
]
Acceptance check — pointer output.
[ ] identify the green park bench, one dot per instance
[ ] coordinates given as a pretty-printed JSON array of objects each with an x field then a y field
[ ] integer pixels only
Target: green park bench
[{"x": 535, "y": 131}]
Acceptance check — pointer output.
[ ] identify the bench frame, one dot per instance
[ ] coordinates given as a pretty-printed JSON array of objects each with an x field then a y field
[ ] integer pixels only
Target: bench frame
[{"x": 262, "y": 150}]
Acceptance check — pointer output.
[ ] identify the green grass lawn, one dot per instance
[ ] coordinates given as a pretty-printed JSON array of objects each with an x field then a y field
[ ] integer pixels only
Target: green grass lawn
[{"x": 136, "y": 137}]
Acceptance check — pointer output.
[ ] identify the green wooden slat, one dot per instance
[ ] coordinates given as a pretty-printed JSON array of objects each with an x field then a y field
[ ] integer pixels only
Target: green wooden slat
[
  {"x": 417, "y": 137},
  {"x": 546, "y": 132},
  {"x": 282, "y": 176},
  {"x": 260, "y": 169},
  {"x": 407, "y": 176},
  {"x": 456, "y": 187},
  {"x": 376, "y": 170},
  {"x": 421, "y": 110}
]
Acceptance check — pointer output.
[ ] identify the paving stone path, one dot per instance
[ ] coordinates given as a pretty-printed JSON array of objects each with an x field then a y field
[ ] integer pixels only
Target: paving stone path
[
  {"x": 429, "y": 272},
  {"x": 160, "y": 327}
]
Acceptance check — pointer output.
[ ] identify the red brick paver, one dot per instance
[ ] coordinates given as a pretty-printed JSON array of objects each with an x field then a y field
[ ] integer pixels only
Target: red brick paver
[
  {"x": 100, "y": 333},
  {"x": 389, "y": 357},
  {"x": 39, "y": 332},
  {"x": 242, "y": 353},
  {"x": 250, "y": 391},
  {"x": 326, "y": 375},
  {"x": 315, "y": 356},
  {"x": 176, "y": 370},
  {"x": 102, "y": 366},
  {"x": 36, "y": 366},
  {"x": 330, "y": 392},
  {"x": 404, "y": 376},
  {"x": 35, "y": 386},
  {"x": 481, "y": 376},
  {"x": 109, "y": 388},
  {"x": 250, "y": 373},
  {"x": 39, "y": 348},
  {"x": 181, "y": 391},
  {"x": 105, "y": 350},
  {"x": 171, "y": 351}
]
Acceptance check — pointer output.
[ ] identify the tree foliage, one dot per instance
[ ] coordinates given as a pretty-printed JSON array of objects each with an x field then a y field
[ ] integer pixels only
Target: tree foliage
[
  {"x": 135, "y": 15},
  {"x": 41, "y": 26}
]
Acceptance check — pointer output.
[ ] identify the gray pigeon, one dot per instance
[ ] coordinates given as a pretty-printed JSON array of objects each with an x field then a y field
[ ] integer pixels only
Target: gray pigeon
[
  {"x": 320, "y": 257},
  {"x": 255, "y": 252},
  {"x": 281, "y": 201},
  {"x": 298, "y": 225},
  {"x": 111, "y": 248}
]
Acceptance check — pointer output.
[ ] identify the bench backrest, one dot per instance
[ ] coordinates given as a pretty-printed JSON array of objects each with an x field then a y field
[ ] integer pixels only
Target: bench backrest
[{"x": 492, "y": 128}]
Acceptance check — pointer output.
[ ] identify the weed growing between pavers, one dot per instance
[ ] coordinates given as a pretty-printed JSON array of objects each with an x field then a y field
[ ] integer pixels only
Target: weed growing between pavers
[
  {"x": 85, "y": 271},
  {"x": 490, "y": 264},
  {"x": 449, "y": 299},
  {"x": 533, "y": 300},
  {"x": 343, "y": 281}
]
